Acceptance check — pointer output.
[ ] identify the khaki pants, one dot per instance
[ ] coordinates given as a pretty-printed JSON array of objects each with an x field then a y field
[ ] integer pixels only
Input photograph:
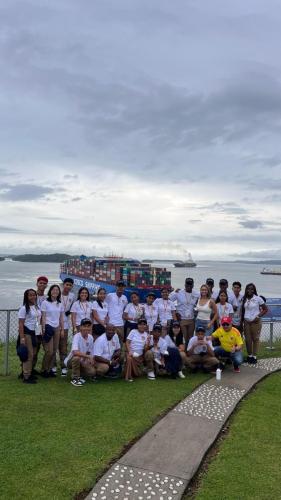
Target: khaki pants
[
  {"x": 252, "y": 331},
  {"x": 187, "y": 327},
  {"x": 120, "y": 332},
  {"x": 133, "y": 366},
  {"x": 50, "y": 349},
  {"x": 27, "y": 365},
  {"x": 63, "y": 348},
  {"x": 101, "y": 368},
  {"x": 79, "y": 367},
  {"x": 37, "y": 349},
  {"x": 208, "y": 362}
]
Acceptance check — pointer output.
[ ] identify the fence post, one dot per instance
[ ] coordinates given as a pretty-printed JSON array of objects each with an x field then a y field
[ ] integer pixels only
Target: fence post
[
  {"x": 270, "y": 336},
  {"x": 7, "y": 342}
]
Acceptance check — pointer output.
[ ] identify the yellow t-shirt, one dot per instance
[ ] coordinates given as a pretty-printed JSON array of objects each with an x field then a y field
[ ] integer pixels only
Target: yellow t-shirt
[{"x": 229, "y": 339}]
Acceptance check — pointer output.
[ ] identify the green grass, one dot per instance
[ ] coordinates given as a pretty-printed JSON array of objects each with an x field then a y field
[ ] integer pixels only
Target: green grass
[{"x": 56, "y": 439}]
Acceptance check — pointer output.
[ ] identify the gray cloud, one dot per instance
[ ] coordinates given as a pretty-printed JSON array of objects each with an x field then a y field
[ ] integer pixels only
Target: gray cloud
[
  {"x": 223, "y": 208},
  {"x": 251, "y": 224},
  {"x": 12, "y": 230},
  {"x": 23, "y": 192}
]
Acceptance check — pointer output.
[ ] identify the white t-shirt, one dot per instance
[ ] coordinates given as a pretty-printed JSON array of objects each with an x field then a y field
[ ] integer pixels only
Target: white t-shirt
[
  {"x": 67, "y": 301},
  {"x": 40, "y": 300},
  {"x": 236, "y": 302},
  {"x": 151, "y": 315},
  {"x": 83, "y": 310},
  {"x": 165, "y": 309},
  {"x": 224, "y": 310},
  {"x": 169, "y": 341},
  {"x": 116, "y": 306},
  {"x": 185, "y": 302},
  {"x": 32, "y": 318},
  {"x": 159, "y": 349},
  {"x": 138, "y": 341},
  {"x": 84, "y": 345},
  {"x": 134, "y": 312},
  {"x": 252, "y": 307},
  {"x": 200, "y": 348},
  {"x": 53, "y": 311},
  {"x": 105, "y": 348},
  {"x": 102, "y": 312}
]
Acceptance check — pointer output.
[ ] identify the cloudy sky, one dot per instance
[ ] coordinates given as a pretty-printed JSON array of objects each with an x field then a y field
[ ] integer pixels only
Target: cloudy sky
[{"x": 144, "y": 127}]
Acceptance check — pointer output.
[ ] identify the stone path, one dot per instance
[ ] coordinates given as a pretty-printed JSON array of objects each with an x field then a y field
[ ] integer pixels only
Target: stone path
[{"x": 162, "y": 463}]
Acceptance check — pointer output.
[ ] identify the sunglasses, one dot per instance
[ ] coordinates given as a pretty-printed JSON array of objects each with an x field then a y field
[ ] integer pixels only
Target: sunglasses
[{"x": 225, "y": 324}]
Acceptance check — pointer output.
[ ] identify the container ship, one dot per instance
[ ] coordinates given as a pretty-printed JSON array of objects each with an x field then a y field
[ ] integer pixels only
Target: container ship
[
  {"x": 267, "y": 270},
  {"x": 104, "y": 272},
  {"x": 189, "y": 262}
]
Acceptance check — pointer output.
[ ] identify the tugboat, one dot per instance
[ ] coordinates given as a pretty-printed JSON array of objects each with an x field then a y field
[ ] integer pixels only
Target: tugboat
[{"x": 189, "y": 262}]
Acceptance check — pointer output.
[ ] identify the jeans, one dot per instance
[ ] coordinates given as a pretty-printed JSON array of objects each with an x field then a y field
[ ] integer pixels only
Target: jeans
[
  {"x": 201, "y": 322},
  {"x": 236, "y": 357}
]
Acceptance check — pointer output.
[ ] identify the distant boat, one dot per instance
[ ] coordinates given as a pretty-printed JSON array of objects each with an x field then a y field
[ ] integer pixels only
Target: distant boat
[
  {"x": 268, "y": 270},
  {"x": 8, "y": 259},
  {"x": 186, "y": 263}
]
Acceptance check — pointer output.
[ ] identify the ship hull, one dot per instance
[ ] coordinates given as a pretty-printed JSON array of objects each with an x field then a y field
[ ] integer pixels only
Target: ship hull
[
  {"x": 94, "y": 285},
  {"x": 179, "y": 264}
]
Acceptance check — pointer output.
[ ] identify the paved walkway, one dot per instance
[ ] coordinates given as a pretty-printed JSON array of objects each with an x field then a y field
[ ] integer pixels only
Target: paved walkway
[{"x": 162, "y": 463}]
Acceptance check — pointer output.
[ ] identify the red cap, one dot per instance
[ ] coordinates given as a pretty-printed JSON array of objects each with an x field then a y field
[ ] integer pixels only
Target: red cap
[
  {"x": 42, "y": 278},
  {"x": 227, "y": 320}
]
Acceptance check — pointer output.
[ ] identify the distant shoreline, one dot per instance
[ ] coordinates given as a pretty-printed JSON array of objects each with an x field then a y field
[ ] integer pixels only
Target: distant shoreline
[{"x": 59, "y": 258}]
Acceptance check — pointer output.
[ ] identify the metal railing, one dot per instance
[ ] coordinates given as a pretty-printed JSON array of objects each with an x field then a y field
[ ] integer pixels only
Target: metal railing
[{"x": 271, "y": 331}]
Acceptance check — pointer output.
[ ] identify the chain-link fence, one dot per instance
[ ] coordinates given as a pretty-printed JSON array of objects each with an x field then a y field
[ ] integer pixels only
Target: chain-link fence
[{"x": 271, "y": 332}]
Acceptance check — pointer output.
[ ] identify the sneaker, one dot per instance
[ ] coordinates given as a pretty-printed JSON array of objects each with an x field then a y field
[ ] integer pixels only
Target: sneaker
[
  {"x": 129, "y": 380},
  {"x": 237, "y": 369},
  {"x": 82, "y": 380},
  {"x": 29, "y": 380},
  {"x": 181, "y": 375},
  {"x": 54, "y": 369},
  {"x": 254, "y": 360},
  {"x": 76, "y": 382},
  {"x": 63, "y": 372},
  {"x": 151, "y": 375}
]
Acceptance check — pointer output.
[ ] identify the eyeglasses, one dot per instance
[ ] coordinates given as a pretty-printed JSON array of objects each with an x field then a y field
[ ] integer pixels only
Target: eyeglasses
[{"x": 225, "y": 324}]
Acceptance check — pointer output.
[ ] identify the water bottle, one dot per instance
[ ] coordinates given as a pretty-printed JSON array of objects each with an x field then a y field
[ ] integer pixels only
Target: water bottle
[{"x": 218, "y": 374}]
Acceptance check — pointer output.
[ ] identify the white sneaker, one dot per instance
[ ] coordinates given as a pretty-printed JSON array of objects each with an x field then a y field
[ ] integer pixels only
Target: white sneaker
[
  {"x": 151, "y": 375},
  {"x": 54, "y": 369},
  {"x": 63, "y": 372},
  {"x": 76, "y": 382},
  {"x": 82, "y": 380},
  {"x": 181, "y": 375}
]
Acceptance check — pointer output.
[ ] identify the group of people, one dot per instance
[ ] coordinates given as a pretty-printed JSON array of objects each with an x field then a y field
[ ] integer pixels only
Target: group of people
[{"x": 184, "y": 328}]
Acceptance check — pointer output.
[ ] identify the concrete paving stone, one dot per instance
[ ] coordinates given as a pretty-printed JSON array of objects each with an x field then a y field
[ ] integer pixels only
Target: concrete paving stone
[
  {"x": 244, "y": 380},
  {"x": 175, "y": 446},
  {"x": 123, "y": 482},
  {"x": 270, "y": 364}
]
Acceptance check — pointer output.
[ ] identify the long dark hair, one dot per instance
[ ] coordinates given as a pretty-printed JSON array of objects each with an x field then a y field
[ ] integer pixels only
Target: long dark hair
[
  {"x": 49, "y": 298},
  {"x": 81, "y": 290},
  {"x": 218, "y": 297},
  {"x": 179, "y": 337},
  {"x": 99, "y": 301},
  {"x": 245, "y": 297},
  {"x": 25, "y": 299}
]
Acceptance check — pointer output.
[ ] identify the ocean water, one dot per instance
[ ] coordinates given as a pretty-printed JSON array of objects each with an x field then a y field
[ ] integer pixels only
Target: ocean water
[{"x": 15, "y": 277}]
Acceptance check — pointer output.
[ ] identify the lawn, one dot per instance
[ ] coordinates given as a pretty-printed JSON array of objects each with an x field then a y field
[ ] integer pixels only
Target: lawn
[{"x": 56, "y": 439}]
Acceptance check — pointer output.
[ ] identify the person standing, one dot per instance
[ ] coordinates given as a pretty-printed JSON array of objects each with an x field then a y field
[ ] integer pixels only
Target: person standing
[
  {"x": 107, "y": 353},
  {"x": 223, "y": 287},
  {"x": 253, "y": 309},
  {"x": 100, "y": 313},
  {"x": 29, "y": 324},
  {"x": 81, "y": 309},
  {"x": 52, "y": 328},
  {"x": 237, "y": 302},
  {"x": 166, "y": 310},
  {"x": 150, "y": 311},
  {"x": 117, "y": 302},
  {"x": 67, "y": 299},
  {"x": 206, "y": 310},
  {"x": 210, "y": 284},
  {"x": 223, "y": 307},
  {"x": 186, "y": 300},
  {"x": 132, "y": 313},
  {"x": 42, "y": 283},
  {"x": 81, "y": 357}
]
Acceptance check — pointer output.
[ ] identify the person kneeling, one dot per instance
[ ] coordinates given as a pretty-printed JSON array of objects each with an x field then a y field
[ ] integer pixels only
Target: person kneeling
[
  {"x": 81, "y": 358},
  {"x": 107, "y": 352},
  {"x": 138, "y": 353},
  {"x": 200, "y": 352},
  {"x": 230, "y": 343}
]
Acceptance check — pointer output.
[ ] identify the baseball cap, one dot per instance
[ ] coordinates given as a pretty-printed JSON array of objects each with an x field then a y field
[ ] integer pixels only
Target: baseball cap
[
  {"x": 223, "y": 281},
  {"x": 210, "y": 281},
  {"x": 227, "y": 320},
  {"x": 120, "y": 283},
  {"x": 176, "y": 323},
  {"x": 189, "y": 280},
  {"x": 142, "y": 320},
  {"x": 200, "y": 329},
  {"x": 157, "y": 327},
  {"x": 85, "y": 321},
  {"x": 42, "y": 278},
  {"x": 151, "y": 294}
]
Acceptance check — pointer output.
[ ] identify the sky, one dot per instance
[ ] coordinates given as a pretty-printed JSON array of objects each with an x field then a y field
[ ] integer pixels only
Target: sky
[{"x": 143, "y": 128}]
